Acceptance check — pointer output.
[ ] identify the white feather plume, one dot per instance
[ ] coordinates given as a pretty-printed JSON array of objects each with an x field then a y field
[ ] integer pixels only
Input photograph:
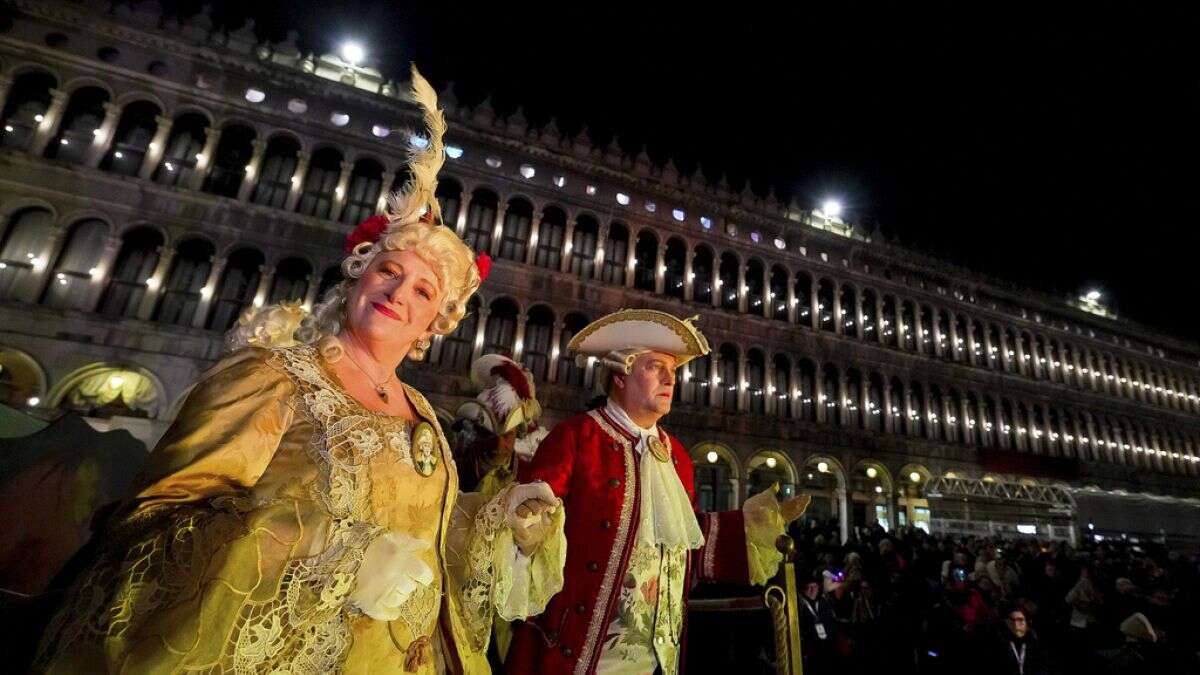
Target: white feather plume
[{"x": 419, "y": 192}]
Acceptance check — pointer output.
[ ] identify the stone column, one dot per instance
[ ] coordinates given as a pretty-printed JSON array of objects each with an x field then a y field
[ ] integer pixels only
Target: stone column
[
  {"x": 843, "y": 513},
  {"x": 252, "y": 169},
  {"x": 50, "y": 121},
  {"x": 660, "y": 276},
  {"x": 535, "y": 231},
  {"x": 212, "y": 136},
  {"x": 385, "y": 188},
  {"x": 859, "y": 322},
  {"x": 716, "y": 282},
  {"x": 40, "y": 277},
  {"x": 939, "y": 349},
  {"x": 555, "y": 355},
  {"x": 741, "y": 287},
  {"x": 480, "y": 333},
  {"x": 498, "y": 229},
  {"x": 297, "y": 187},
  {"x": 714, "y": 385},
  {"x": 601, "y": 251},
  {"x": 339, "y": 193},
  {"x": 768, "y": 308},
  {"x": 266, "y": 274},
  {"x": 5, "y": 86},
  {"x": 310, "y": 292},
  {"x": 839, "y": 327},
  {"x": 103, "y": 270},
  {"x": 791, "y": 301},
  {"x": 104, "y": 136},
  {"x": 879, "y": 327},
  {"x": 689, "y": 275},
  {"x": 158, "y": 278},
  {"x": 568, "y": 246},
  {"x": 814, "y": 303},
  {"x": 208, "y": 291},
  {"x": 742, "y": 391},
  {"x": 158, "y": 146},
  {"x": 464, "y": 209},
  {"x": 519, "y": 337}
]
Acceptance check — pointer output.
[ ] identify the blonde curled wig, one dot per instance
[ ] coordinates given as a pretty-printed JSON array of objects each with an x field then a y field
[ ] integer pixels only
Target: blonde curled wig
[{"x": 453, "y": 264}]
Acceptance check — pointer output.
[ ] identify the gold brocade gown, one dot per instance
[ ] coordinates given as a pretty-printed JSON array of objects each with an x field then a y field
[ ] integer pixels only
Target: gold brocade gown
[{"x": 244, "y": 542}]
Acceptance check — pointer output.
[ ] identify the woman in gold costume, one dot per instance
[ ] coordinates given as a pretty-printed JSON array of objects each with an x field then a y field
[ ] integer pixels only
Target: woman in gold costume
[{"x": 302, "y": 515}]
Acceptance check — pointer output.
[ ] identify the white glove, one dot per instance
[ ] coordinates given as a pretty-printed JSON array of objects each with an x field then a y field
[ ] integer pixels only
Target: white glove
[
  {"x": 391, "y": 571},
  {"x": 528, "y": 509}
]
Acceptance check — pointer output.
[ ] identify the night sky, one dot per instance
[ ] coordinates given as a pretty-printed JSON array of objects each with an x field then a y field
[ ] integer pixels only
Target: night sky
[{"x": 1055, "y": 148}]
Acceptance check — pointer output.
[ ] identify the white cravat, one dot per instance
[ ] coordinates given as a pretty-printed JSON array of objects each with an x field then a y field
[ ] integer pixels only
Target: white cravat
[{"x": 667, "y": 516}]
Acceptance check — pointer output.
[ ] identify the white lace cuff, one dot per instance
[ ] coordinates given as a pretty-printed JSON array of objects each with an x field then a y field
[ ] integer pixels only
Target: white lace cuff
[{"x": 763, "y": 524}]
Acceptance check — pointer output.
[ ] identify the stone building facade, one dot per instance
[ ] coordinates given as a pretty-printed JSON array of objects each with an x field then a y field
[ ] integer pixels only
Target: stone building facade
[{"x": 158, "y": 178}]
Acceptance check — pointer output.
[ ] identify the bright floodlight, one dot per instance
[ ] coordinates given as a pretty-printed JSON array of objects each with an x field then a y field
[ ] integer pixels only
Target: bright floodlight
[
  {"x": 1093, "y": 295},
  {"x": 353, "y": 53},
  {"x": 831, "y": 208}
]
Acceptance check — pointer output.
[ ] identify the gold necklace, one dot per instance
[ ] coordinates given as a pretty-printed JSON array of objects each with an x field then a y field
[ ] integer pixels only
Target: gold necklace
[{"x": 381, "y": 389}]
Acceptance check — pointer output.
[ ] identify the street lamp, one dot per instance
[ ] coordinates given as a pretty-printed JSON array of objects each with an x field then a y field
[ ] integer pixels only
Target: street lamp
[
  {"x": 831, "y": 208},
  {"x": 353, "y": 53}
]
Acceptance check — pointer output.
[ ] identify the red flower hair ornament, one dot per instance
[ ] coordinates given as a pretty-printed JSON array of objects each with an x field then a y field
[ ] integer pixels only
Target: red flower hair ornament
[{"x": 371, "y": 229}]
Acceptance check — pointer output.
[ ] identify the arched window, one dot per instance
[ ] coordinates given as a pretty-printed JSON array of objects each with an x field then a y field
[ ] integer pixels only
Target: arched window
[
  {"x": 729, "y": 377},
  {"x": 535, "y": 350},
  {"x": 583, "y": 247},
  {"x": 449, "y": 195},
  {"x": 783, "y": 386},
  {"x": 76, "y": 131},
  {"x": 236, "y": 289},
  {"x": 727, "y": 275},
  {"x": 135, "y": 130},
  {"x": 457, "y": 346},
  {"x": 275, "y": 175},
  {"x": 178, "y": 162},
  {"x": 481, "y": 220},
  {"x": 550, "y": 238},
  {"x": 181, "y": 293},
  {"x": 569, "y": 372},
  {"x": 825, "y": 291},
  {"x": 21, "y": 378},
  {"x": 501, "y": 330},
  {"x": 23, "y": 238},
  {"x": 292, "y": 276},
  {"x": 514, "y": 234},
  {"x": 714, "y": 478},
  {"x": 702, "y": 274},
  {"x": 756, "y": 382},
  {"x": 849, "y": 303},
  {"x": 320, "y": 185},
  {"x": 645, "y": 256},
  {"x": 362, "y": 195},
  {"x": 134, "y": 265},
  {"x": 616, "y": 248},
  {"x": 28, "y": 100},
  {"x": 754, "y": 287},
  {"x": 674, "y": 264},
  {"x": 71, "y": 278},
  {"x": 230, "y": 160}
]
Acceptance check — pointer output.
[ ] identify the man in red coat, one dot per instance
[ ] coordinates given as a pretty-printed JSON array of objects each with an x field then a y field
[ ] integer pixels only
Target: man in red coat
[{"x": 634, "y": 541}]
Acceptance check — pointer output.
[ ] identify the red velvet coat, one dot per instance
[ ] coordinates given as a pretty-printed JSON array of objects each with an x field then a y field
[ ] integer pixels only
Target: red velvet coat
[{"x": 590, "y": 463}]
